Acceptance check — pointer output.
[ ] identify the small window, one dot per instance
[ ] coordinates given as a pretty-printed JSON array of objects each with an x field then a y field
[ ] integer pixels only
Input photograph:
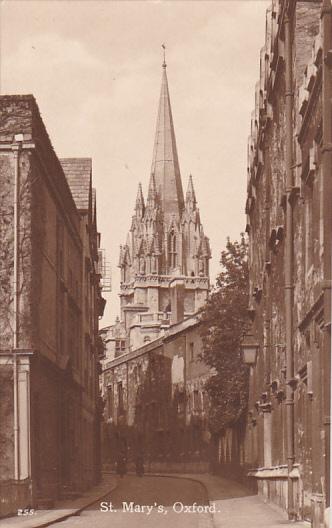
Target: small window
[{"x": 192, "y": 352}]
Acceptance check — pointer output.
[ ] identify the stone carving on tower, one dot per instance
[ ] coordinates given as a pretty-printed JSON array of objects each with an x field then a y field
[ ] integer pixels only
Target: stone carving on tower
[{"x": 166, "y": 240}]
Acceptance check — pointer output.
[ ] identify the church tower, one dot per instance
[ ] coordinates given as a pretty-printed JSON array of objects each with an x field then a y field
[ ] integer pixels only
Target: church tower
[{"x": 166, "y": 241}]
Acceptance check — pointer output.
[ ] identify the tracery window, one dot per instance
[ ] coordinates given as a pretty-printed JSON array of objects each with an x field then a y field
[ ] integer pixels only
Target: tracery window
[{"x": 172, "y": 250}]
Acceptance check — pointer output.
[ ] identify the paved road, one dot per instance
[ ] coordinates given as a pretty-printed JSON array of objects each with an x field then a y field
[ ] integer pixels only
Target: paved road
[{"x": 148, "y": 502}]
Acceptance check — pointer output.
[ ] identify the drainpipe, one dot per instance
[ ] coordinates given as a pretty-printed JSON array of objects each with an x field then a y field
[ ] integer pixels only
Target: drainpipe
[
  {"x": 326, "y": 17},
  {"x": 288, "y": 261},
  {"x": 16, "y": 294}
]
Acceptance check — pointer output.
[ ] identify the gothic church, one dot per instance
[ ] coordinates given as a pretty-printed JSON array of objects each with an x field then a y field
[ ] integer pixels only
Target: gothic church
[{"x": 166, "y": 242}]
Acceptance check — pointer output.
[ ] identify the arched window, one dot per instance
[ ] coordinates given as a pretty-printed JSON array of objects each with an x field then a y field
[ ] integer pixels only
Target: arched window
[{"x": 172, "y": 250}]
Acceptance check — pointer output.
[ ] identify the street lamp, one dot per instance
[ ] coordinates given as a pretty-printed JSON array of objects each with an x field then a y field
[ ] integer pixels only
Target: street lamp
[{"x": 249, "y": 349}]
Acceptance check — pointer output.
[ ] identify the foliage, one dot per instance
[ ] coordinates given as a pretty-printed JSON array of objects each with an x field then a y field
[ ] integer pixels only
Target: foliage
[{"x": 224, "y": 320}]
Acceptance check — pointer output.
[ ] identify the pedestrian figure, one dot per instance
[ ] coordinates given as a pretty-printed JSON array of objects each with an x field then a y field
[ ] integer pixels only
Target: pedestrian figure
[
  {"x": 121, "y": 466},
  {"x": 139, "y": 465}
]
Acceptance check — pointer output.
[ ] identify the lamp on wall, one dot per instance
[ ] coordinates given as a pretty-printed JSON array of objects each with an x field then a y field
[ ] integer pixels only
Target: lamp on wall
[{"x": 249, "y": 349}]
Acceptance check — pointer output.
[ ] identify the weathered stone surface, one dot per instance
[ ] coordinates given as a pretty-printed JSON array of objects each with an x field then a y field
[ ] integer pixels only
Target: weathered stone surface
[
  {"x": 156, "y": 402},
  {"x": 59, "y": 299},
  {"x": 265, "y": 441},
  {"x": 166, "y": 239}
]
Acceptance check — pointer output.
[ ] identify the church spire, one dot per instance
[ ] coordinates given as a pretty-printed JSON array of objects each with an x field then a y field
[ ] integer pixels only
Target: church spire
[
  {"x": 151, "y": 200},
  {"x": 190, "y": 195},
  {"x": 139, "y": 206},
  {"x": 165, "y": 163}
]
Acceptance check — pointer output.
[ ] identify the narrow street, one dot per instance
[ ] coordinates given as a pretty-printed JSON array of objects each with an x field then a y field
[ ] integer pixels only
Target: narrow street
[{"x": 162, "y": 494}]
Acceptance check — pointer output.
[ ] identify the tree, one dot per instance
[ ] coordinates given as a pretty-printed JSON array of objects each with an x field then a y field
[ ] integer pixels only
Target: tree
[{"x": 224, "y": 321}]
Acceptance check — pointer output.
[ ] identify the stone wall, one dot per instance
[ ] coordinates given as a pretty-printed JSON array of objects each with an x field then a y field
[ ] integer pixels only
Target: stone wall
[
  {"x": 57, "y": 375},
  {"x": 162, "y": 408},
  {"x": 265, "y": 441}
]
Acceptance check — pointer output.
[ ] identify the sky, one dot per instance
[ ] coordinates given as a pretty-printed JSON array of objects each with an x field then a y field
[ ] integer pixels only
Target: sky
[{"x": 94, "y": 68}]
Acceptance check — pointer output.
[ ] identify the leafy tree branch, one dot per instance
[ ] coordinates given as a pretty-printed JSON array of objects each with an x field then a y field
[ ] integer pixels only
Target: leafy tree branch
[{"x": 224, "y": 320}]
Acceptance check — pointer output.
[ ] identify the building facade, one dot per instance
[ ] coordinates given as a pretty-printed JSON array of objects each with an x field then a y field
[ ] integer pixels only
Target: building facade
[
  {"x": 289, "y": 225},
  {"x": 156, "y": 406},
  {"x": 115, "y": 340},
  {"x": 166, "y": 239},
  {"x": 152, "y": 382},
  {"x": 50, "y": 304}
]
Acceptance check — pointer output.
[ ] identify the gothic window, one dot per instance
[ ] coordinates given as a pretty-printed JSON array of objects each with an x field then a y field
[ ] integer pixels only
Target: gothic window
[
  {"x": 309, "y": 227},
  {"x": 201, "y": 267},
  {"x": 142, "y": 265},
  {"x": 172, "y": 250}
]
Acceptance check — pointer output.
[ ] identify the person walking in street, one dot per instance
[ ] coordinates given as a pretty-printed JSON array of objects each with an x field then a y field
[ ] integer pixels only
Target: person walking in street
[
  {"x": 139, "y": 465},
  {"x": 121, "y": 465}
]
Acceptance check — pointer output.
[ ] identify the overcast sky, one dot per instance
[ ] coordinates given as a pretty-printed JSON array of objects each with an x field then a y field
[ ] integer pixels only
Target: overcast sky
[{"x": 95, "y": 70}]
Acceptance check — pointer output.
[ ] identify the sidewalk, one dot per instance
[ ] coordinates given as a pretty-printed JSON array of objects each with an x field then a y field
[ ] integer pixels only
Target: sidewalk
[
  {"x": 62, "y": 509},
  {"x": 236, "y": 507}
]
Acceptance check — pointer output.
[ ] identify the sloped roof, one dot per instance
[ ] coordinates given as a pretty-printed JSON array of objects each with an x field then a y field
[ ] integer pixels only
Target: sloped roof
[{"x": 78, "y": 174}]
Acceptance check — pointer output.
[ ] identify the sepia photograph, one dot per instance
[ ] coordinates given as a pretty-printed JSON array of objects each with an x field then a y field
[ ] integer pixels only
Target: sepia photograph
[{"x": 165, "y": 263}]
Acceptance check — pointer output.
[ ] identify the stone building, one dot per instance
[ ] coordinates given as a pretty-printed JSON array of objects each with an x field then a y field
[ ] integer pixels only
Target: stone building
[
  {"x": 152, "y": 381},
  {"x": 156, "y": 405},
  {"x": 166, "y": 239},
  {"x": 289, "y": 225},
  {"x": 115, "y": 340},
  {"x": 50, "y": 305}
]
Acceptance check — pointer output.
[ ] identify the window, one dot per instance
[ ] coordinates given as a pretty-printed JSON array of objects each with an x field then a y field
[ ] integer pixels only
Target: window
[
  {"x": 309, "y": 228},
  {"x": 181, "y": 403},
  {"x": 172, "y": 250},
  {"x": 192, "y": 352},
  {"x": 109, "y": 401}
]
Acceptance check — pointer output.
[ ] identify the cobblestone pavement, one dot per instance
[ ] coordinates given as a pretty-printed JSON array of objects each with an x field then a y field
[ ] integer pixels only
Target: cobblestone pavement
[{"x": 171, "y": 502}]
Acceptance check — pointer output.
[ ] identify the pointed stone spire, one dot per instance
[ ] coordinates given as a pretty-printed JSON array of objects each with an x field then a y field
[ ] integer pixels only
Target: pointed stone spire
[
  {"x": 165, "y": 163},
  {"x": 190, "y": 195},
  {"x": 139, "y": 206},
  {"x": 152, "y": 193}
]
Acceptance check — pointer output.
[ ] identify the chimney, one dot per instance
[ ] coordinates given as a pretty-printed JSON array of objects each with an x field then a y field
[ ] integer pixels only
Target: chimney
[{"x": 176, "y": 286}]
